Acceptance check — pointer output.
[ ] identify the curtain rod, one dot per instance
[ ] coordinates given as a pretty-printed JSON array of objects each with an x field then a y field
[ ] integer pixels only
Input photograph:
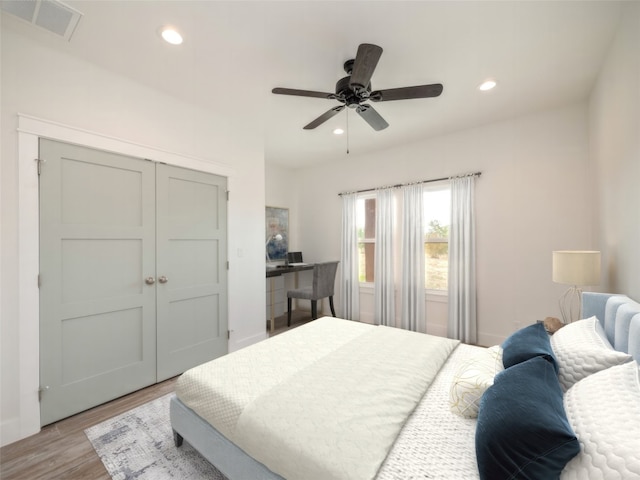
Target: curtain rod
[{"x": 475, "y": 174}]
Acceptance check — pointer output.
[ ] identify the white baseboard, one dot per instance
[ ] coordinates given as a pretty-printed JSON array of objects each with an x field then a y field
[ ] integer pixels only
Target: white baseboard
[{"x": 11, "y": 431}]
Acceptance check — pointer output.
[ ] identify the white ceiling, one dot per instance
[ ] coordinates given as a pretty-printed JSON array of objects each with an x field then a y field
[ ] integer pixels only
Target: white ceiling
[{"x": 544, "y": 54}]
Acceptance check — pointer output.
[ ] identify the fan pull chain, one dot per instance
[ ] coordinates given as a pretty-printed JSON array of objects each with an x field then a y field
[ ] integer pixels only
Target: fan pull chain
[{"x": 347, "y": 131}]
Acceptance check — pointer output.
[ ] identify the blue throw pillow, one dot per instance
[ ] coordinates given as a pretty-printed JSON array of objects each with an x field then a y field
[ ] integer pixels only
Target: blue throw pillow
[
  {"x": 526, "y": 343},
  {"x": 522, "y": 430}
]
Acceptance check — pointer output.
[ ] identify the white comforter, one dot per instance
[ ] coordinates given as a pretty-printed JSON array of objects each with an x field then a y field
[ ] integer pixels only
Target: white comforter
[{"x": 333, "y": 411}]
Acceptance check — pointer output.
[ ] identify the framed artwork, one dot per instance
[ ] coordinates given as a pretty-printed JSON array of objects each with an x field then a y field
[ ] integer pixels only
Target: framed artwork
[{"x": 277, "y": 234}]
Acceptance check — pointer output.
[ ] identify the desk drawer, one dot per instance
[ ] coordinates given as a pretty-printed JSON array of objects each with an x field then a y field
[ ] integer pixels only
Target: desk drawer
[{"x": 278, "y": 295}]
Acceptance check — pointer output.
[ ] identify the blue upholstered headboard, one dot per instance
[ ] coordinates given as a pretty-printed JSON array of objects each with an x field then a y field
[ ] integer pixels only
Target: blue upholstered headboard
[{"x": 620, "y": 317}]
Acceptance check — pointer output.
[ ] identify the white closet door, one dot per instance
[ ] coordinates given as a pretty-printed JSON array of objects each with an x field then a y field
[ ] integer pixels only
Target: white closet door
[
  {"x": 133, "y": 275},
  {"x": 97, "y": 247},
  {"x": 191, "y": 268}
]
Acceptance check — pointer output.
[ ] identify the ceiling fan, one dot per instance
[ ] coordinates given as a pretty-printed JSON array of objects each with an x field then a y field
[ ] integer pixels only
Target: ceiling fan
[{"x": 355, "y": 88}]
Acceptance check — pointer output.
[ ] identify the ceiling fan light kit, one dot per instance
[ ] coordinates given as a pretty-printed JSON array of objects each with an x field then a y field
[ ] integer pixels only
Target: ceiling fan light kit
[
  {"x": 487, "y": 85},
  {"x": 355, "y": 89},
  {"x": 170, "y": 35}
]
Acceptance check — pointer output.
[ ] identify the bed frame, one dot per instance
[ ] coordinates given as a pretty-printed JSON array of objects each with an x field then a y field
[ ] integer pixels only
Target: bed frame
[
  {"x": 232, "y": 461},
  {"x": 619, "y": 315}
]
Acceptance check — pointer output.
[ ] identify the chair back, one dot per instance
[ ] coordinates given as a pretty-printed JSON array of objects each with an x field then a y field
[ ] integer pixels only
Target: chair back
[{"x": 324, "y": 279}]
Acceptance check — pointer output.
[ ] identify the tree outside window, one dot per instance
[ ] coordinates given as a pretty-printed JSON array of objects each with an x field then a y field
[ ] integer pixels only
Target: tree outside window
[
  {"x": 436, "y": 256},
  {"x": 437, "y": 216}
]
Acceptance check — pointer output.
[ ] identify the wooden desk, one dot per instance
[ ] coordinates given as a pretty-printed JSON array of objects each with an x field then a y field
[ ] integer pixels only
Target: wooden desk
[{"x": 277, "y": 271}]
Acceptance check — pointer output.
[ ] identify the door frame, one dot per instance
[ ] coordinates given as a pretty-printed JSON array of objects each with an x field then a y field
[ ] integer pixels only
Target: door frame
[{"x": 30, "y": 130}]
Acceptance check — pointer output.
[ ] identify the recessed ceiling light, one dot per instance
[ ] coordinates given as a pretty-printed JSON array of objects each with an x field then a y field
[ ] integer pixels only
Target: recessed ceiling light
[
  {"x": 170, "y": 35},
  {"x": 338, "y": 131},
  {"x": 487, "y": 85}
]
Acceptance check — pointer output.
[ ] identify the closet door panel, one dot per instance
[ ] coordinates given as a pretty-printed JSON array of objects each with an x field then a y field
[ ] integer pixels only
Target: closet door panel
[
  {"x": 191, "y": 268},
  {"x": 97, "y": 246}
]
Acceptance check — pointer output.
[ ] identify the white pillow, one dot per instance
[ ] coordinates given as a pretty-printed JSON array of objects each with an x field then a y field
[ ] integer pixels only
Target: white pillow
[
  {"x": 582, "y": 349},
  {"x": 471, "y": 379},
  {"x": 604, "y": 412}
]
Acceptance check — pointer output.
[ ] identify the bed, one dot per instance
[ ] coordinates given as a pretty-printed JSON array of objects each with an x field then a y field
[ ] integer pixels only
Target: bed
[{"x": 307, "y": 404}]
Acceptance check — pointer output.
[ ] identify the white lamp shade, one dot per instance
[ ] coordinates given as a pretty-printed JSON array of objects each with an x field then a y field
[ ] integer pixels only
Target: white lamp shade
[{"x": 576, "y": 267}]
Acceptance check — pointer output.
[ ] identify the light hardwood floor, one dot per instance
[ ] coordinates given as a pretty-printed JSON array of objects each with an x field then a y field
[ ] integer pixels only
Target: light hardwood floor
[
  {"x": 298, "y": 317},
  {"x": 61, "y": 451}
]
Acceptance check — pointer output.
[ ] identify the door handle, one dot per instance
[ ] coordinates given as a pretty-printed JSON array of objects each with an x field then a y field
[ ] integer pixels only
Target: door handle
[
  {"x": 163, "y": 279},
  {"x": 149, "y": 280}
]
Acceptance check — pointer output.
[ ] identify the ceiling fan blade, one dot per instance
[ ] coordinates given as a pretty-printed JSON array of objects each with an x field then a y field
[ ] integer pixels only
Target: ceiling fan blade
[
  {"x": 303, "y": 93},
  {"x": 364, "y": 64},
  {"x": 372, "y": 117},
  {"x": 406, "y": 93},
  {"x": 324, "y": 117}
]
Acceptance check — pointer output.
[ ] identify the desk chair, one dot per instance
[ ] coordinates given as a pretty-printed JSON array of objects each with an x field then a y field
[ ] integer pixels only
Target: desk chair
[{"x": 324, "y": 279}]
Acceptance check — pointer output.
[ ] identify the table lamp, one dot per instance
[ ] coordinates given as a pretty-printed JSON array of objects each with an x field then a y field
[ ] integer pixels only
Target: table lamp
[{"x": 576, "y": 268}]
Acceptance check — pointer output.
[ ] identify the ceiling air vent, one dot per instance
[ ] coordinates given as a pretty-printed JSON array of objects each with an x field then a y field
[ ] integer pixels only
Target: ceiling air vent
[{"x": 51, "y": 15}]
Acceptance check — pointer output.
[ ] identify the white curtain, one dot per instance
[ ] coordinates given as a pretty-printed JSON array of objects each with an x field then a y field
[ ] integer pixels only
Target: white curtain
[
  {"x": 413, "y": 316},
  {"x": 384, "y": 288},
  {"x": 349, "y": 282},
  {"x": 462, "y": 262}
]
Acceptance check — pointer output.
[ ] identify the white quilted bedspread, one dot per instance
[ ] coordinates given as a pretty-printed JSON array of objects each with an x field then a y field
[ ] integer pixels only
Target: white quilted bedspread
[
  {"x": 434, "y": 442},
  {"x": 335, "y": 410},
  {"x": 219, "y": 390}
]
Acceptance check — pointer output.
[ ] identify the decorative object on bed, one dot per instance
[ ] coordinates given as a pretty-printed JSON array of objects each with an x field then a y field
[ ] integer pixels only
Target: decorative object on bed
[
  {"x": 578, "y": 269},
  {"x": 604, "y": 411},
  {"x": 527, "y": 343},
  {"x": 552, "y": 325},
  {"x": 471, "y": 380},
  {"x": 582, "y": 349},
  {"x": 522, "y": 429}
]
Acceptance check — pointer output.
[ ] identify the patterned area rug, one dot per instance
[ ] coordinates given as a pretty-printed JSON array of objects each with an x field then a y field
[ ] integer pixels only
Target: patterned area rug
[{"x": 138, "y": 444}]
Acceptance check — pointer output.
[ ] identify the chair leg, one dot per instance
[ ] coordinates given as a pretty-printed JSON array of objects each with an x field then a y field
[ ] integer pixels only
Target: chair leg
[
  {"x": 288, "y": 311},
  {"x": 314, "y": 309},
  {"x": 333, "y": 310}
]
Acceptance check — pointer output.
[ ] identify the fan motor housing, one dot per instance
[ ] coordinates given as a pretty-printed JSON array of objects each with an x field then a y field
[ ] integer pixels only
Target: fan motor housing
[{"x": 346, "y": 94}]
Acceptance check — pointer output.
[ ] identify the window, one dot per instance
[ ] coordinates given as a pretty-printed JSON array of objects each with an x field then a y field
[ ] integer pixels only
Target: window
[
  {"x": 366, "y": 223},
  {"x": 437, "y": 217},
  {"x": 436, "y": 211}
]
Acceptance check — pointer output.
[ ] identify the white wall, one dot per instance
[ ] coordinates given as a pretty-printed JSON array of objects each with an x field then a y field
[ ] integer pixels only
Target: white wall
[
  {"x": 614, "y": 131},
  {"x": 55, "y": 87},
  {"x": 530, "y": 200}
]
